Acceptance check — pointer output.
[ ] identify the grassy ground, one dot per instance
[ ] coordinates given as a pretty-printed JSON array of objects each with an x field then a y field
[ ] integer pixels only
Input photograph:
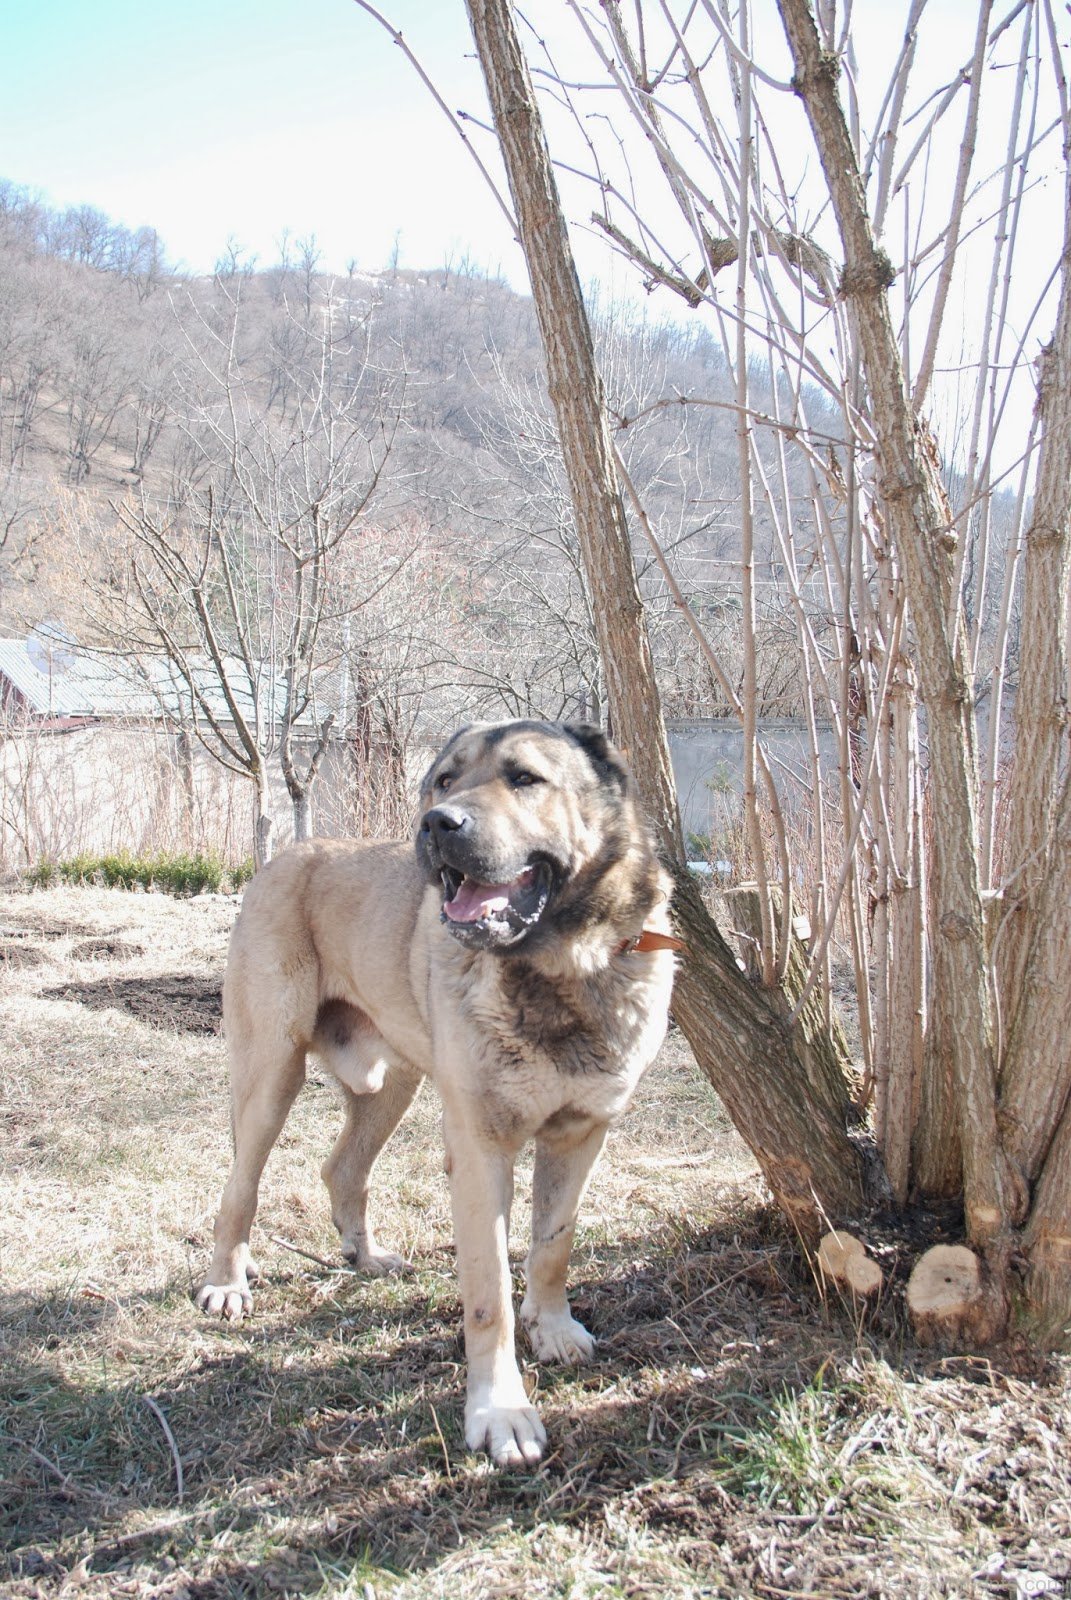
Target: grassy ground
[{"x": 736, "y": 1435}]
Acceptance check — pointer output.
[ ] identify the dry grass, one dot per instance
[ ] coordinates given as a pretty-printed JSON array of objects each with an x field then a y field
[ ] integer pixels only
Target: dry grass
[{"x": 735, "y": 1437}]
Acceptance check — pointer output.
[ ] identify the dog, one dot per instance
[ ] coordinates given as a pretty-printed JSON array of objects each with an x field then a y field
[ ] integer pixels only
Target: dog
[{"x": 521, "y": 957}]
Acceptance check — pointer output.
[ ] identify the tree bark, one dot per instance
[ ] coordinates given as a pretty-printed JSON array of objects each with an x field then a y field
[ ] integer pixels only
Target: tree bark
[
  {"x": 897, "y": 1109},
  {"x": 918, "y": 519},
  {"x": 263, "y": 824},
  {"x": 302, "y": 808},
  {"x": 1047, "y": 1241},
  {"x": 741, "y": 1039},
  {"x": 1037, "y": 1077},
  {"x": 1041, "y": 698}
]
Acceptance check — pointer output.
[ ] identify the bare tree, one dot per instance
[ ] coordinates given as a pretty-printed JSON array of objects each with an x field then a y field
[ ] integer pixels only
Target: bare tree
[
  {"x": 233, "y": 579},
  {"x": 898, "y": 585},
  {"x": 794, "y": 1110}
]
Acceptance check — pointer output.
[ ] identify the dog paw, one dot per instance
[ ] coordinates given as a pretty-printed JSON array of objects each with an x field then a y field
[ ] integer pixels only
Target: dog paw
[
  {"x": 231, "y": 1301},
  {"x": 556, "y": 1336},
  {"x": 513, "y": 1436},
  {"x": 376, "y": 1262}
]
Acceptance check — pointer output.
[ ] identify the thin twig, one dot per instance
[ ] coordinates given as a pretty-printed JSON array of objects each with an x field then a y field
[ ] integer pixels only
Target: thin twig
[
  {"x": 399, "y": 39},
  {"x": 68, "y": 1483},
  {"x": 442, "y": 1442},
  {"x": 309, "y": 1255},
  {"x": 148, "y": 1400}
]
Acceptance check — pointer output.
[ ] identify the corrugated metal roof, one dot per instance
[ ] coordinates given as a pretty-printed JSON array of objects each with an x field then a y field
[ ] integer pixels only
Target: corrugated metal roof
[{"x": 59, "y": 680}]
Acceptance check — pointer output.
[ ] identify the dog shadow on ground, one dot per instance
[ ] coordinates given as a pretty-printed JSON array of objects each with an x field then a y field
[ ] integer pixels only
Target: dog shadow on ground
[
  {"x": 325, "y": 1434},
  {"x": 357, "y": 1439}
]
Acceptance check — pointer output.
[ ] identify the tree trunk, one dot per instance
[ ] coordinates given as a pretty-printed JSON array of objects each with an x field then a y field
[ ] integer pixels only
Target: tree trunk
[
  {"x": 187, "y": 784},
  {"x": 263, "y": 825},
  {"x": 758, "y": 1063},
  {"x": 1041, "y": 698},
  {"x": 302, "y": 807},
  {"x": 1037, "y": 1076},
  {"x": 1047, "y": 1239},
  {"x": 906, "y": 1032}
]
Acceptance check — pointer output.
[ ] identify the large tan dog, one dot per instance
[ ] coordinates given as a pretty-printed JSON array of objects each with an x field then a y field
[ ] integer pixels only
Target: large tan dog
[{"x": 521, "y": 957}]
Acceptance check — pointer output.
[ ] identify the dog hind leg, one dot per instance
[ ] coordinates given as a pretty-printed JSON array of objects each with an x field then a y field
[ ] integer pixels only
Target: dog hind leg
[
  {"x": 370, "y": 1121},
  {"x": 263, "y": 1092}
]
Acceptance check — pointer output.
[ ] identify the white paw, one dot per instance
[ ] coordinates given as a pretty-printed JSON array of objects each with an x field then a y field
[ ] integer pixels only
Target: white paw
[
  {"x": 371, "y": 1259},
  {"x": 231, "y": 1301},
  {"x": 556, "y": 1336},
  {"x": 513, "y": 1436}
]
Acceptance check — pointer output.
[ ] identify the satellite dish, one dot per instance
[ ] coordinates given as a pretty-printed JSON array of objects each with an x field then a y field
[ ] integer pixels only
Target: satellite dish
[{"x": 51, "y": 649}]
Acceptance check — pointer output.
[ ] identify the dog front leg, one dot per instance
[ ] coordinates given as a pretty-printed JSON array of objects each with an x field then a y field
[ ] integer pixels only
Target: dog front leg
[
  {"x": 563, "y": 1166},
  {"x": 498, "y": 1417}
]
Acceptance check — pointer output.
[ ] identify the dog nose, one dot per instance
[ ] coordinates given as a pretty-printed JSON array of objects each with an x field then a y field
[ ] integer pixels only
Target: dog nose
[{"x": 444, "y": 819}]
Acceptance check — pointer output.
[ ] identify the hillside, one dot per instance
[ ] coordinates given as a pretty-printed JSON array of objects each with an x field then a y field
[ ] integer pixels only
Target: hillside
[
  {"x": 117, "y": 375},
  {"x": 103, "y": 359}
]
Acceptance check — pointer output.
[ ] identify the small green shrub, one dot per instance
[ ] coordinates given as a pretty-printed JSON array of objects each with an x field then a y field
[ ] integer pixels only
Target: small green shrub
[
  {"x": 188, "y": 874},
  {"x": 176, "y": 875},
  {"x": 118, "y": 872},
  {"x": 242, "y": 874}
]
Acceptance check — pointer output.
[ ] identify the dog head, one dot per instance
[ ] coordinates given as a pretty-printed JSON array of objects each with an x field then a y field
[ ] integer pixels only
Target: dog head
[{"x": 520, "y": 824}]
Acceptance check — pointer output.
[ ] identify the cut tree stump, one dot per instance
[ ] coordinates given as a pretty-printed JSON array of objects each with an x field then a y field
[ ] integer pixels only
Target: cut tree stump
[
  {"x": 951, "y": 1301},
  {"x": 842, "y": 1258}
]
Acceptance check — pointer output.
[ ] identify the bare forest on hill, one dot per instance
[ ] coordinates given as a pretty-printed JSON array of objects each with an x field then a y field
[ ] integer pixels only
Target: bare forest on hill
[
  {"x": 458, "y": 583},
  {"x": 117, "y": 377}
]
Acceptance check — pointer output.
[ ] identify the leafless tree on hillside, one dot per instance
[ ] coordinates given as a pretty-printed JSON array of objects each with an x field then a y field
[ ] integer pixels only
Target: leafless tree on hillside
[{"x": 237, "y": 578}]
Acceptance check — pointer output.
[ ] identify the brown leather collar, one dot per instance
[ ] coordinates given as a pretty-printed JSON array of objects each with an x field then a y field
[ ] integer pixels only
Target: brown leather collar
[{"x": 648, "y": 940}]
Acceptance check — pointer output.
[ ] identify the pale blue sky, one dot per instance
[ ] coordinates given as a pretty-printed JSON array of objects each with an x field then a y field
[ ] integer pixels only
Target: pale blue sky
[{"x": 244, "y": 117}]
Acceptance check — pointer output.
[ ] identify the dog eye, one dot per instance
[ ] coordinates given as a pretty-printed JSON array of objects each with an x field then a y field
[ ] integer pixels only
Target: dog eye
[
  {"x": 443, "y": 781},
  {"x": 524, "y": 780}
]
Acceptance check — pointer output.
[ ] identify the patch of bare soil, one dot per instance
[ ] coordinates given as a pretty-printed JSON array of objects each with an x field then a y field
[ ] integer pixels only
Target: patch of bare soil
[
  {"x": 107, "y": 949},
  {"x": 178, "y": 1000},
  {"x": 739, "y": 1433},
  {"x": 15, "y": 954},
  {"x": 25, "y": 941}
]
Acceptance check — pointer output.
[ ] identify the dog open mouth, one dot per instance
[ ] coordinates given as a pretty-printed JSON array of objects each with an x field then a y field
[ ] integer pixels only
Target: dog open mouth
[{"x": 498, "y": 909}]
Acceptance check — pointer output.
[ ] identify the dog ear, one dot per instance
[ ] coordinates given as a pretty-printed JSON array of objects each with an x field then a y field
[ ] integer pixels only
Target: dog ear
[{"x": 600, "y": 752}]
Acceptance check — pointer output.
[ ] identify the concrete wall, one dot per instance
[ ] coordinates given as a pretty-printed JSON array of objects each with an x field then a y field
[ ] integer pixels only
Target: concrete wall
[
  {"x": 708, "y": 764},
  {"x": 110, "y": 788}
]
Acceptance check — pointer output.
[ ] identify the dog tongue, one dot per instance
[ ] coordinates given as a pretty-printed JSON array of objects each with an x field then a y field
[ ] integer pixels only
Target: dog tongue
[{"x": 475, "y": 902}]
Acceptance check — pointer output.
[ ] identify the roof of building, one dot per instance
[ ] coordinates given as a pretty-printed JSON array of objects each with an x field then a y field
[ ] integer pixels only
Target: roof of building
[{"x": 57, "y": 679}]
